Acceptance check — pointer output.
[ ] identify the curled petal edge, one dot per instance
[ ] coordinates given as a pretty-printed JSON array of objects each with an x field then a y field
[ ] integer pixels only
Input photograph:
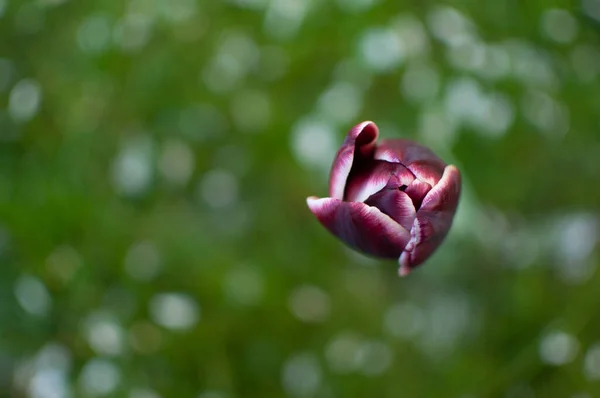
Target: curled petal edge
[
  {"x": 433, "y": 221},
  {"x": 396, "y": 204},
  {"x": 378, "y": 175},
  {"x": 419, "y": 159},
  {"x": 360, "y": 141},
  {"x": 360, "y": 226}
]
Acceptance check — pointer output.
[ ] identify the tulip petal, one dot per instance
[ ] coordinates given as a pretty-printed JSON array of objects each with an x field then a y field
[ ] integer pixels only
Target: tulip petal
[
  {"x": 417, "y": 191},
  {"x": 373, "y": 176},
  {"x": 444, "y": 196},
  {"x": 360, "y": 226},
  {"x": 396, "y": 204},
  {"x": 420, "y": 160},
  {"x": 358, "y": 146},
  {"x": 433, "y": 220}
]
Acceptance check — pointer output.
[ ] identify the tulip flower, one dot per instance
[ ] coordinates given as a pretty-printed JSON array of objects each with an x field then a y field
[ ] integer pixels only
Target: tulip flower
[{"x": 392, "y": 200}]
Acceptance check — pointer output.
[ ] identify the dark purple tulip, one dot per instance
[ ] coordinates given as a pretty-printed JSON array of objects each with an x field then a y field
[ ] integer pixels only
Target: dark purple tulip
[{"x": 392, "y": 200}]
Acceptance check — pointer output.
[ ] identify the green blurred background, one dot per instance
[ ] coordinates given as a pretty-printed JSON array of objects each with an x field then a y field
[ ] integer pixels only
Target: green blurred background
[{"x": 156, "y": 156}]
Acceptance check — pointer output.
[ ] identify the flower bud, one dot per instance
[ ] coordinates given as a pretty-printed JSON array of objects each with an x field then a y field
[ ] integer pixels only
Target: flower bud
[{"x": 392, "y": 200}]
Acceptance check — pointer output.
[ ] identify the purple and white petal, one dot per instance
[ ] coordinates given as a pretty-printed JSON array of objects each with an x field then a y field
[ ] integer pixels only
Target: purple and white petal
[
  {"x": 417, "y": 191},
  {"x": 420, "y": 160},
  {"x": 395, "y": 200},
  {"x": 373, "y": 177},
  {"x": 443, "y": 197},
  {"x": 360, "y": 226},
  {"x": 396, "y": 204},
  {"x": 433, "y": 220},
  {"x": 358, "y": 146},
  {"x": 424, "y": 239}
]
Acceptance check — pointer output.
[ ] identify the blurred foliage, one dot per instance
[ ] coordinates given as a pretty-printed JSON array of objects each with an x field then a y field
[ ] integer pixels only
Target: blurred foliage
[{"x": 155, "y": 158}]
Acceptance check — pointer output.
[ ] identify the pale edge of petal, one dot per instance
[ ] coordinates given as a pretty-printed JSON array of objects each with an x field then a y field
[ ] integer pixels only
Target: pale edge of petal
[
  {"x": 451, "y": 174},
  {"x": 356, "y": 130},
  {"x": 314, "y": 203},
  {"x": 390, "y": 227},
  {"x": 404, "y": 269},
  {"x": 342, "y": 164},
  {"x": 340, "y": 171}
]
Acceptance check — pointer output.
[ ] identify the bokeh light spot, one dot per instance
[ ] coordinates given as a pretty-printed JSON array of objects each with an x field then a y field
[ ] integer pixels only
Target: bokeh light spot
[
  {"x": 141, "y": 392},
  {"x": 176, "y": 311},
  {"x": 381, "y": 49},
  {"x": 420, "y": 83},
  {"x": 176, "y": 162},
  {"x": 342, "y": 352},
  {"x": 143, "y": 261},
  {"x": 219, "y": 188},
  {"x": 94, "y": 34},
  {"x": 301, "y": 375},
  {"x": 251, "y": 110},
  {"x": 314, "y": 143},
  {"x": 404, "y": 320},
  {"x": 63, "y": 262},
  {"x": 310, "y": 304},
  {"x": 558, "y": 348},
  {"x": 7, "y": 72},
  {"x": 592, "y": 363},
  {"x": 133, "y": 167},
  {"x": 373, "y": 357},
  {"x": 99, "y": 377},
  {"x": 559, "y": 25},
  {"x": 104, "y": 334},
  {"x": 32, "y": 295},
  {"x": 341, "y": 102},
  {"x": 24, "y": 100},
  {"x": 244, "y": 285}
]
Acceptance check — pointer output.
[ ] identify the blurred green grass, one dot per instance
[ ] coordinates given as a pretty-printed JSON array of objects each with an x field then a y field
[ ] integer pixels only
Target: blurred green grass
[{"x": 155, "y": 158}]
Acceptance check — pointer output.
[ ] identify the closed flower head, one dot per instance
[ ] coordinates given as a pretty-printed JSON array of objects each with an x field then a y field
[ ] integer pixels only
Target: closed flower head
[{"x": 395, "y": 199}]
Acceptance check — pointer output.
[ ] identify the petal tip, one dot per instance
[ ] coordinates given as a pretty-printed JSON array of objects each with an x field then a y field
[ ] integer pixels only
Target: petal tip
[
  {"x": 360, "y": 144},
  {"x": 404, "y": 268},
  {"x": 365, "y": 123},
  {"x": 366, "y": 132},
  {"x": 453, "y": 171},
  {"x": 314, "y": 203},
  {"x": 363, "y": 133}
]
